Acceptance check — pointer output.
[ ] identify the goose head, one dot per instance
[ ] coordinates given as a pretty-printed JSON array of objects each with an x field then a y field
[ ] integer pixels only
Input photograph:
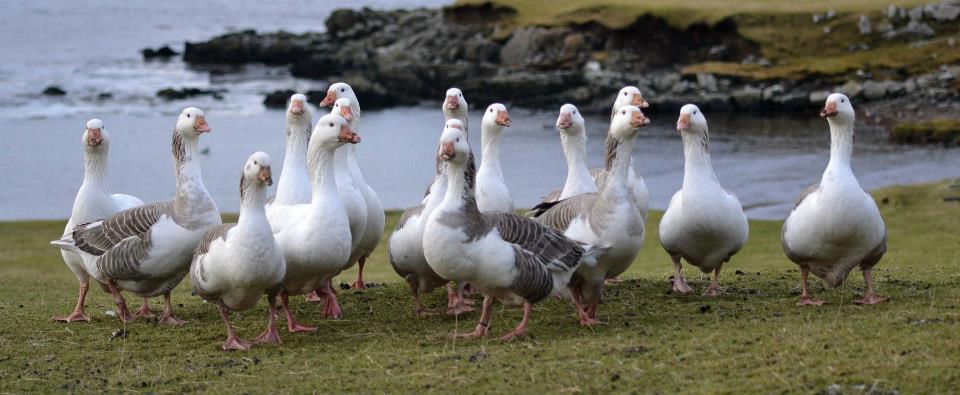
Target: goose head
[
  {"x": 838, "y": 109},
  {"x": 191, "y": 123},
  {"x": 95, "y": 137},
  {"x": 342, "y": 108},
  {"x": 570, "y": 119},
  {"x": 454, "y": 124},
  {"x": 297, "y": 107},
  {"x": 630, "y": 95},
  {"x": 496, "y": 117},
  {"x": 257, "y": 170},
  {"x": 627, "y": 121},
  {"x": 332, "y": 131},
  {"x": 454, "y": 103},
  {"x": 691, "y": 120},
  {"x": 336, "y": 91},
  {"x": 453, "y": 146}
]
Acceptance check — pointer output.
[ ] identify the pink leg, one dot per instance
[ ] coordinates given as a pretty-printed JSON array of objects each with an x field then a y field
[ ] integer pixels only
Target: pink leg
[
  {"x": 167, "y": 316},
  {"x": 233, "y": 342},
  {"x": 359, "y": 284},
  {"x": 123, "y": 312},
  {"x": 869, "y": 297},
  {"x": 144, "y": 311},
  {"x": 522, "y": 328},
  {"x": 418, "y": 309},
  {"x": 483, "y": 325},
  {"x": 456, "y": 303},
  {"x": 679, "y": 283},
  {"x": 331, "y": 308},
  {"x": 314, "y": 297},
  {"x": 271, "y": 334},
  {"x": 612, "y": 280},
  {"x": 78, "y": 315},
  {"x": 805, "y": 299},
  {"x": 714, "y": 289},
  {"x": 292, "y": 324},
  {"x": 585, "y": 318}
]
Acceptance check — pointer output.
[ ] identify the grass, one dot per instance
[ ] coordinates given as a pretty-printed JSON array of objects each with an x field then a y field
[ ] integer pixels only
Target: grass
[
  {"x": 939, "y": 131},
  {"x": 751, "y": 339}
]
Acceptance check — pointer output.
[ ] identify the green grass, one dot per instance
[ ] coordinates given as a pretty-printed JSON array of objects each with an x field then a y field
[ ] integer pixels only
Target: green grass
[
  {"x": 751, "y": 339},
  {"x": 939, "y": 131}
]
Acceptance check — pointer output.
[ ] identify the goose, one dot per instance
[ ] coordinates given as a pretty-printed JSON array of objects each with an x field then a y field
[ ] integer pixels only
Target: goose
[
  {"x": 704, "y": 224},
  {"x": 836, "y": 225},
  {"x": 376, "y": 220},
  {"x": 235, "y": 264},
  {"x": 93, "y": 201},
  {"x": 492, "y": 193},
  {"x": 315, "y": 238},
  {"x": 405, "y": 249},
  {"x": 573, "y": 138},
  {"x": 608, "y": 218},
  {"x": 147, "y": 250},
  {"x": 293, "y": 187},
  {"x": 629, "y": 95},
  {"x": 505, "y": 255}
]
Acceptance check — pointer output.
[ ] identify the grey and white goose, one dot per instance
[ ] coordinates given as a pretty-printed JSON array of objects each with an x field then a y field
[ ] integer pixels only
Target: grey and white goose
[
  {"x": 147, "y": 250},
  {"x": 628, "y": 96},
  {"x": 704, "y": 224},
  {"x": 573, "y": 137},
  {"x": 608, "y": 218},
  {"x": 94, "y": 201},
  {"x": 836, "y": 225},
  {"x": 235, "y": 264},
  {"x": 504, "y": 255}
]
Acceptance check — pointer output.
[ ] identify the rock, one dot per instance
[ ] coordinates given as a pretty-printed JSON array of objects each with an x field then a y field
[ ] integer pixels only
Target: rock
[
  {"x": 707, "y": 82},
  {"x": 184, "y": 93},
  {"x": 715, "y": 101},
  {"x": 817, "y": 98},
  {"x": 851, "y": 88},
  {"x": 910, "y": 85},
  {"x": 829, "y": 15},
  {"x": 916, "y": 28},
  {"x": 884, "y": 27},
  {"x": 537, "y": 47},
  {"x": 666, "y": 82},
  {"x": 773, "y": 91},
  {"x": 873, "y": 90},
  {"x": 104, "y": 96},
  {"x": 164, "y": 52},
  {"x": 915, "y": 13},
  {"x": 795, "y": 101},
  {"x": 863, "y": 24},
  {"x": 278, "y": 98},
  {"x": 54, "y": 90},
  {"x": 891, "y": 11},
  {"x": 945, "y": 12},
  {"x": 747, "y": 98}
]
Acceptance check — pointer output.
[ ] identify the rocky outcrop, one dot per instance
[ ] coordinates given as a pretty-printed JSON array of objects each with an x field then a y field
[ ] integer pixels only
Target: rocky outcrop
[
  {"x": 185, "y": 93},
  {"x": 162, "y": 53},
  {"x": 54, "y": 90}
]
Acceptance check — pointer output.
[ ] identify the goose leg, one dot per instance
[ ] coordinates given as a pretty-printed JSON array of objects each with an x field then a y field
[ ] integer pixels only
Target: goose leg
[
  {"x": 292, "y": 324},
  {"x": 419, "y": 310},
  {"x": 233, "y": 342},
  {"x": 331, "y": 308},
  {"x": 869, "y": 297},
  {"x": 314, "y": 297},
  {"x": 805, "y": 299},
  {"x": 714, "y": 289},
  {"x": 144, "y": 311},
  {"x": 271, "y": 334},
  {"x": 456, "y": 303},
  {"x": 358, "y": 283},
  {"x": 585, "y": 318},
  {"x": 679, "y": 283},
  {"x": 123, "y": 312},
  {"x": 522, "y": 327},
  {"x": 484, "y": 324},
  {"x": 78, "y": 315},
  {"x": 167, "y": 316}
]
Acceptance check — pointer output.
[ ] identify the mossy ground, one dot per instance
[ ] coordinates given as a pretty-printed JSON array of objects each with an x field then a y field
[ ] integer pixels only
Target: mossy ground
[
  {"x": 939, "y": 131},
  {"x": 751, "y": 339}
]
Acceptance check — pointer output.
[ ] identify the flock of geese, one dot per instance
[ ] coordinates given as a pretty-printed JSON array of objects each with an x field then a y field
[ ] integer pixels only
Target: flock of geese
[{"x": 464, "y": 235}]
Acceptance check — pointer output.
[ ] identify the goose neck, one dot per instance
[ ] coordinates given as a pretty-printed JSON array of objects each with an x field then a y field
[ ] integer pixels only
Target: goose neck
[
  {"x": 841, "y": 144},
  {"x": 490, "y": 148},
  {"x": 578, "y": 174},
  {"x": 324, "y": 177},
  {"x": 95, "y": 168},
  {"x": 697, "y": 166}
]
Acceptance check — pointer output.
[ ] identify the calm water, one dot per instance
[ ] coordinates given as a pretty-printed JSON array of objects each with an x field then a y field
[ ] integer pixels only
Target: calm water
[{"x": 92, "y": 47}]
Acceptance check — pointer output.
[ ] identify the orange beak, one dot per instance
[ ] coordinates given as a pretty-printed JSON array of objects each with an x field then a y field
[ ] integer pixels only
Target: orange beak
[
  {"x": 348, "y": 136},
  {"x": 94, "y": 137},
  {"x": 296, "y": 107},
  {"x": 452, "y": 103},
  {"x": 638, "y": 120},
  {"x": 457, "y": 126},
  {"x": 346, "y": 113},
  {"x": 503, "y": 119},
  {"x": 201, "y": 126},
  {"x": 446, "y": 151},
  {"x": 265, "y": 176},
  {"x": 329, "y": 99},
  {"x": 638, "y": 101},
  {"x": 829, "y": 110},
  {"x": 565, "y": 121},
  {"x": 683, "y": 123}
]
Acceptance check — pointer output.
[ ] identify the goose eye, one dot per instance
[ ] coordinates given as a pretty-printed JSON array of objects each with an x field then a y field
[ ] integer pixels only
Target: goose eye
[
  {"x": 623, "y": 112},
  {"x": 331, "y": 124},
  {"x": 843, "y": 100},
  {"x": 343, "y": 90},
  {"x": 188, "y": 115}
]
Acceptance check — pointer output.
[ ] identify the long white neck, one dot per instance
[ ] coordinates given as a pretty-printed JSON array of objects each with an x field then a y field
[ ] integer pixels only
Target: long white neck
[
  {"x": 841, "y": 144},
  {"x": 457, "y": 189},
  {"x": 490, "y": 147},
  {"x": 298, "y": 139},
  {"x": 95, "y": 169},
  {"x": 324, "y": 176},
  {"x": 353, "y": 165},
  {"x": 620, "y": 167},
  {"x": 253, "y": 197},
  {"x": 189, "y": 178},
  {"x": 579, "y": 180},
  {"x": 697, "y": 167}
]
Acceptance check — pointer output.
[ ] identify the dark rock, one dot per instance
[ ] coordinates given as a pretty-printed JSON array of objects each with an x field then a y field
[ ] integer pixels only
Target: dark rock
[
  {"x": 54, "y": 90},
  {"x": 249, "y": 47},
  {"x": 164, "y": 52},
  {"x": 104, "y": 96},
  {"x": 478, "y": 14},
  {"x": 185, "y": 93},
  {"x": 278, "y": 99},
  {"x": 747, "y": 98}
]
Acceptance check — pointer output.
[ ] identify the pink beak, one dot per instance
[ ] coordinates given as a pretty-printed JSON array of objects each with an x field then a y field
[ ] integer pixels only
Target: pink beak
[
  {"x": 94, "y": 137},
  {"x": 201, "y": 126},
  {"x": 329, "y": 99}
]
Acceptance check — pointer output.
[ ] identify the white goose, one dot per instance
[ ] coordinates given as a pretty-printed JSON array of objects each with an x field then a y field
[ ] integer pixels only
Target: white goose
[
  {"x": 629, "y": 95},
  {"x": 94, "y": 201},
  {"x": 836, "y": 225},
  {"x": 147, "y": 250},
  {"x": 235, "y": 264},
  {"x": 505, "y": 255},
  {"x": 293, "y": 186},
  {"x": 573, "y": 138},
  {"x": 608, "y": 218},
  {"x": 492, "y": 193},
  {"x": 376, "y": 220},
  {"x": 704, "y": 224},
  {"x": 405, "y": 249},
  {"x": 315, "y": 237}
]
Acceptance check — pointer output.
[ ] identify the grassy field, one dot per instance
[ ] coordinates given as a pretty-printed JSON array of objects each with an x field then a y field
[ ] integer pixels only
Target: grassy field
[
  {"x": 751, "y": 339},
  {"x": 798, "y": 48}
]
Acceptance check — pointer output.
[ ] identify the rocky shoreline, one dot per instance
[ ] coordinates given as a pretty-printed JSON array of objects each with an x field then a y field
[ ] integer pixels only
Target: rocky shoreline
[{"x": 407, "y": 56}]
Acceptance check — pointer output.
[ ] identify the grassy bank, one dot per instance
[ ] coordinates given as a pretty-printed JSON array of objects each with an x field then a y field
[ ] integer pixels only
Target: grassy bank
[{"x": 753, "y": 338}]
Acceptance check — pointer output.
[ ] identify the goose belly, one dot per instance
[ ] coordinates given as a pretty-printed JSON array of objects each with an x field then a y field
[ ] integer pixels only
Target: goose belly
[
  {"x": 168, "y": 259},
  {"x": 834, "y": 231},
  {"x": 704, "y": 230},
  {"x": 405, "y": 248},
  {"x": 356, "y": 209},
  {"x": 487, "y": 261},
  {"x": 639, "y": 193},
  {"x": 621, "y": 233},
  {"x": 313, "y": 251},
  {"x": 239, "y": 271},
  {"x": 492, "y": 194},
  {"x": 376, "y": 221}
]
